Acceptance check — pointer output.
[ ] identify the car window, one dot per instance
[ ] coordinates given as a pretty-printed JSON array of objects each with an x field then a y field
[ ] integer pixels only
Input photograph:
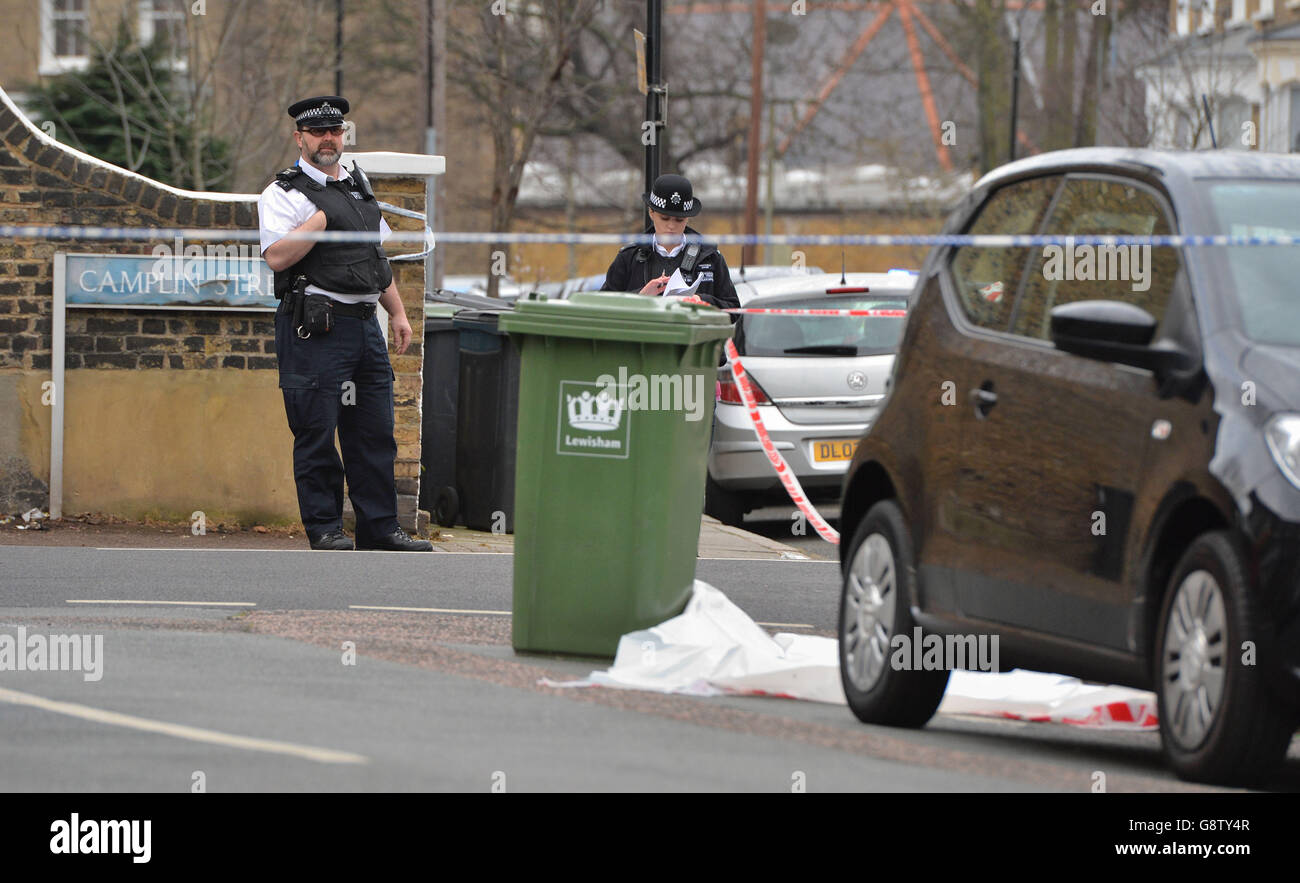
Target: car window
[
  {"x": 987, "y": 278},
  {"x": 781, "y": 335},
  {"x": 1262, "y": 277},
  {"x": 1138, "y": 275}
]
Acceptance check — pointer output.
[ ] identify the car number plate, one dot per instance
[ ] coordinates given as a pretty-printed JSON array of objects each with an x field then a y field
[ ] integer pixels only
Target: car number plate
[{"x": 834, "y": 450}]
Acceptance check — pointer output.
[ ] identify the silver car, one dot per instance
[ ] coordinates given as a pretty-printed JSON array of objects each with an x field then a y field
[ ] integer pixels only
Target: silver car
[
  {"x": 818, "y": 381},
  {"x": 559, "y": 290},
  {"x": 507, "y": 288}
]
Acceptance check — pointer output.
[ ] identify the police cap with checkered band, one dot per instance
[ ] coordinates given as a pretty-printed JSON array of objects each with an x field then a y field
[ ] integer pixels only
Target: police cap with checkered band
[
  {"x": 671, "y": 195},
  {"x": 323, "y": 111}
]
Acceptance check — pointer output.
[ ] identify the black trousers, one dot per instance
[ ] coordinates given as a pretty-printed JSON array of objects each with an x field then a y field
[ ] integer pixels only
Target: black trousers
[{"x": 340, "y": 381}]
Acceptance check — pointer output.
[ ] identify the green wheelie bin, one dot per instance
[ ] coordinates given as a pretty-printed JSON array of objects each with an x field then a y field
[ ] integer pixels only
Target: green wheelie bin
[{"x": 615, "y": 412}]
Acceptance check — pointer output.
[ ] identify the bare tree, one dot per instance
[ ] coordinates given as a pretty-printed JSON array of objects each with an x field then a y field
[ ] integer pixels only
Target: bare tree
[
  {"x": 196, "y": 99},
  {"x": 514, "y": 58},
  {"x": 1191, "y": 72}
]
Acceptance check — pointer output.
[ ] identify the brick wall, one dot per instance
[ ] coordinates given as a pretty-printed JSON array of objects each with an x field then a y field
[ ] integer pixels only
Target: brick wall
[{"x": 42, "y": 183}]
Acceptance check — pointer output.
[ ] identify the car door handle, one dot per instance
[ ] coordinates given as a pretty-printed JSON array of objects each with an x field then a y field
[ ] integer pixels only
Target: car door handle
[{"x": 984, "y": 399}]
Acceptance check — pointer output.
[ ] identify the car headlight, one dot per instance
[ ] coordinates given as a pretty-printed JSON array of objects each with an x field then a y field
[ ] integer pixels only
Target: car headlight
[{"x": 1283, "y": 434}]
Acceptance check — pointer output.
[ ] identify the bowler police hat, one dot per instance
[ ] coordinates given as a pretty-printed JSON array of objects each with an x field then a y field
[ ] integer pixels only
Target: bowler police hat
[
  {"x": 671, "y": 195},
  {"x": 322, "y": 111}
]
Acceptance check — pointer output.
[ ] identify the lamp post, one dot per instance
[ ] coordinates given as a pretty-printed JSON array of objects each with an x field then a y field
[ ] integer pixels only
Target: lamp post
[
  {"x": 338, "y": 48},
  {"x": 655, "y": 89},
  {"x": 1015, "y": 79}
]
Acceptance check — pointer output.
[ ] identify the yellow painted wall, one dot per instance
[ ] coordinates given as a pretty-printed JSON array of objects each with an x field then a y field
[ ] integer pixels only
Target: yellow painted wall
[{"x": 163, "y": 444}]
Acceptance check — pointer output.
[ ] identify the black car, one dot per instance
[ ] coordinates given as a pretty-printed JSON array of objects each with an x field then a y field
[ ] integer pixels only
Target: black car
[{"x": 1093, "y": 453}]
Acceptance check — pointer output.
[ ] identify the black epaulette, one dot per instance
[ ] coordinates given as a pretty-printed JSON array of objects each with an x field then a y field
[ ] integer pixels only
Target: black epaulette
[
  {"x": 284, "y": 177},
  {"x": 642, "y": 251}
]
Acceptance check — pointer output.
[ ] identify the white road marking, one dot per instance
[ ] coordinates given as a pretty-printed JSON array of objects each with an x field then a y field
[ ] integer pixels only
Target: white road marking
[
  {"x": 776, "y": 560},
  {"x": 276, "y": 551},
  {"x": 180, "y": 731},
  {"x": 157, "y": 603},
  {"x": 436, "y": 549},
  {"x": 428, "y": 609},
  {"x": 186, "y": 549}
]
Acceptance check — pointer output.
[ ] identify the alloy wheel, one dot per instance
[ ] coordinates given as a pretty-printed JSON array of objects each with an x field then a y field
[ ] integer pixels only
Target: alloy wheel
[
  {"x": 1195, "y": 653},
  {"x": 869, "y": 618}
]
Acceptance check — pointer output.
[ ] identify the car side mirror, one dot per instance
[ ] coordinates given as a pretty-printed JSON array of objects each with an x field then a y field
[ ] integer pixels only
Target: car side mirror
[
  {"x": 1101, "y": 321},
  {"x": 1114, "y": 331}
]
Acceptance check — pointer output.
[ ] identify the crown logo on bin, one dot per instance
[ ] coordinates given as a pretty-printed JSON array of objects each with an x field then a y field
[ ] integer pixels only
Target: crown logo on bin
[{"x": 598, "y": 413}]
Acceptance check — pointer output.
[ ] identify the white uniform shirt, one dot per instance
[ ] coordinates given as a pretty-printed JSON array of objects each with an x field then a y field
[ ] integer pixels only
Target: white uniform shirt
[
  {"x": 659, "y": 248},
  {"x": 280, "y": 210}
]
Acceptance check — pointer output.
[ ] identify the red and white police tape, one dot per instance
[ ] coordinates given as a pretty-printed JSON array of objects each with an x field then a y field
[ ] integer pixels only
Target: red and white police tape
[
  {"x": 897, "y": 314},
  {"x": 783, "y": 470}
]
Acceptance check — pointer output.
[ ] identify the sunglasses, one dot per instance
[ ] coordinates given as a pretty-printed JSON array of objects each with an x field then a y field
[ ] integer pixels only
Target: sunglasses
[{"x": 322, "y": 131}]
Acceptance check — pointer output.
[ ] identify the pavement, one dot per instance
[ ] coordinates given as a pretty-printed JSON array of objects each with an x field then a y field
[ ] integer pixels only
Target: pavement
[{"x": 717, "y": 540}]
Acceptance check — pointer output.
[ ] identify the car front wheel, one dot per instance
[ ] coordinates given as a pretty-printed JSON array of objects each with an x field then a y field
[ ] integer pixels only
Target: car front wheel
[
  {"x": 1218, "y": 722},
  {"x": 878, "y": 588}
]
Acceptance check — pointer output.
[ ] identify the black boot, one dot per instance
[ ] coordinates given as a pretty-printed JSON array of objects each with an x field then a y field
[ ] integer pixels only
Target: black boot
[
  {"x": 331, "y": 541},
  {"x": 397, "y": 541}
]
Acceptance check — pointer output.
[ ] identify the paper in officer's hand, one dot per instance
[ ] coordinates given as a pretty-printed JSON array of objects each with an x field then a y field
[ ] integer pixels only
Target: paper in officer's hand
[{"x": 677, "y": 286}]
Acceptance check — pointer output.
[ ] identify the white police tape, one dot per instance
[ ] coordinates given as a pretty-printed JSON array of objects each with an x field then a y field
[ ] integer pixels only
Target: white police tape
[
  {"x": 783, "y": 470},
  {"x": 30, "y": 231},
  {"x": 427, "y": 240},
  {"x": 398, "y": 210}
]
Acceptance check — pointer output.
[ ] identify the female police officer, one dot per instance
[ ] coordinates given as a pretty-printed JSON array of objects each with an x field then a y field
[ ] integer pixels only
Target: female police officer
[{"x": 646, "y": 269}]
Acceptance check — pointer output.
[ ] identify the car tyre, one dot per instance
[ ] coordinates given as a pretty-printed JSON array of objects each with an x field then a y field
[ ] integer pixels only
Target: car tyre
[
  {"x": 1218, "y": 721},
  {"x": 724, "y": 505},
  {"x": 879, "y": 587}
]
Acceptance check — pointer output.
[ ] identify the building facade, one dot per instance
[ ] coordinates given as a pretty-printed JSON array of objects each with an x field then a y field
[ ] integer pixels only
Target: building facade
[{"x": 1230, "y": 77}]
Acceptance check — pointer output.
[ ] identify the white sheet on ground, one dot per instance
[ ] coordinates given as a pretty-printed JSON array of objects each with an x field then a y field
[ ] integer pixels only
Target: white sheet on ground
[
  {"x": 1035, "y": 696},
  {"x": 713, "y": 648}
]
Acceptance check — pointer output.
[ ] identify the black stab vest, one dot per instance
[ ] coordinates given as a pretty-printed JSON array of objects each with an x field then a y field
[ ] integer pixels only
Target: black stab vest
[{"x": 342, "y": 267}]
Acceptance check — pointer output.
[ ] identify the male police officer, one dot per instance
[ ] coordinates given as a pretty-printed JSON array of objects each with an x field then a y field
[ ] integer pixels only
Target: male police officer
[
  {"x": 647, "y": 269},
  {"x": 334, "y": 368}
]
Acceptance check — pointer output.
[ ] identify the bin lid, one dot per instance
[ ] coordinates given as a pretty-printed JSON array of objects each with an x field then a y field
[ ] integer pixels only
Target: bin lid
[
  {"x": 465, "y": 300},
  {"x": 480, "y": 320},
  {"x": 616, "y": 316},
  {"x": 439, "y": 310}
]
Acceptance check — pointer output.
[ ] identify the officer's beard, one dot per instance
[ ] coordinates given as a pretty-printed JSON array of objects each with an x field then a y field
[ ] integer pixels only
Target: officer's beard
[{"x": 324, "y": 156}]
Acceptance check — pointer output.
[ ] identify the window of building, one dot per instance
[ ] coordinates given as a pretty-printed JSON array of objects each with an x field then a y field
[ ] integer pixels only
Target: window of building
[
  {"x": 65, "y": 43},
  {"x": 987, "y": 279},
  {"x": 1265, "y": 11},
  {"x": 1239, "y": 16},
  {"x": 1233, "y": 113},
  {"x": 1207, "y": 16},
  {"x": 1183, "y": 19},
  {"x": 163, "y": 22},
  {"x": 1294, "y": 140}
]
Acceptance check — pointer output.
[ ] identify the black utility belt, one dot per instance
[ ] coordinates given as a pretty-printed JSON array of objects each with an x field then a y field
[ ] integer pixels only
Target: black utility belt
[
  {"x": 315, "y": 313},
  {"x": 356, "y": 311}
]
